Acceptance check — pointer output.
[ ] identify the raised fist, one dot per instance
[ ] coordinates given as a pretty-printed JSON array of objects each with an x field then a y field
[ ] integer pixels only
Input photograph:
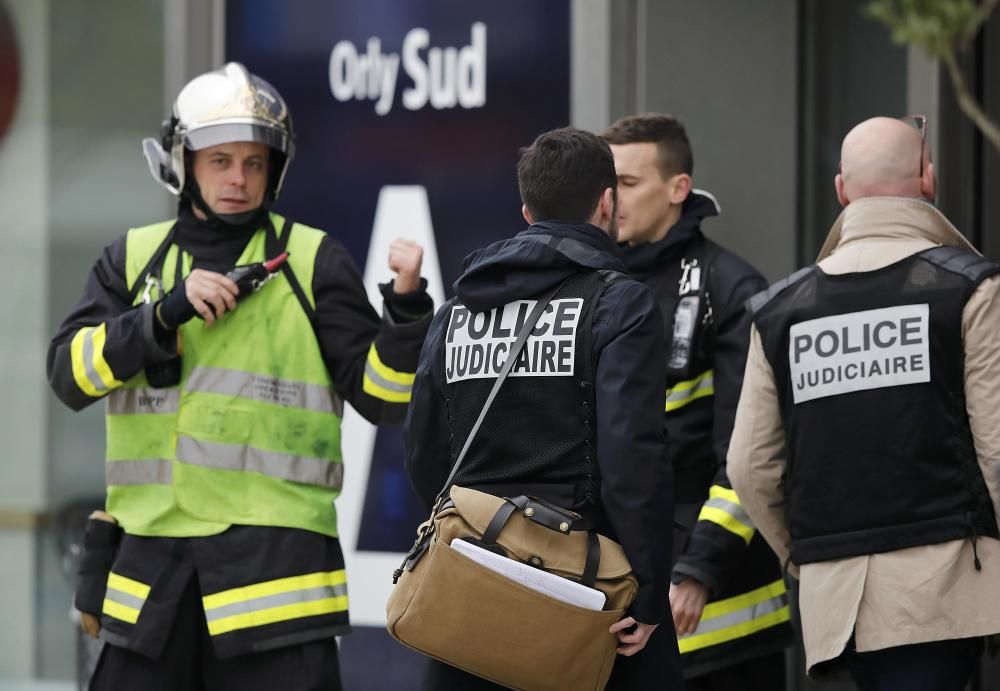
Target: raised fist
[{"x": 405, "y": 258}]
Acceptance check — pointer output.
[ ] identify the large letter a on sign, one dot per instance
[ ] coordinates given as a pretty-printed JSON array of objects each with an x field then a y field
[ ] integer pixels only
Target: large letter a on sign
[{"x": 402, "y": 211}]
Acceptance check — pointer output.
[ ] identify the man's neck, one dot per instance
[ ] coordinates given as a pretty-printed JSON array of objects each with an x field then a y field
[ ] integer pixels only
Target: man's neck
[{"x": 673, "y": 215}]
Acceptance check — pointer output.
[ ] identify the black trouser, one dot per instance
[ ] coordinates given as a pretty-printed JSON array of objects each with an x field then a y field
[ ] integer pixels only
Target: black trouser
[
  {"x": 188, "y": 662},
  {"x": 937, "y": 666},
  {"x": 655, "y": 667},
  {"x": 765, "y": 673}
]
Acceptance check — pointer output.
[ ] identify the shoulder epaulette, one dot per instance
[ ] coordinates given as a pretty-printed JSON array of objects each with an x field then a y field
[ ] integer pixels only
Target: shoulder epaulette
[
  {"x": 610, "y": 276},
  {"x": 961, "y": 261},
  {"x": 757, "y": 302}
]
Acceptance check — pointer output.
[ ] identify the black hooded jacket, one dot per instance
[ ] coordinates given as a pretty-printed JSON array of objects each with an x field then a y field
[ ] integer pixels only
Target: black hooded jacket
[
  {"x": 636, "y": 478},
  {"x": 718, "y": 547}
]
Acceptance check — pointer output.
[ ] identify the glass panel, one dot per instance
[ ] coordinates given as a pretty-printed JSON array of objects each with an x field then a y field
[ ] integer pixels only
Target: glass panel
[{"x": 851, "y": 71}]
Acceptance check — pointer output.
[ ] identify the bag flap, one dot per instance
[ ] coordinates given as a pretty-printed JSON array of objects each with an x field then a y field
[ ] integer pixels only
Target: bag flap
[{"x": 566, "y": 552}]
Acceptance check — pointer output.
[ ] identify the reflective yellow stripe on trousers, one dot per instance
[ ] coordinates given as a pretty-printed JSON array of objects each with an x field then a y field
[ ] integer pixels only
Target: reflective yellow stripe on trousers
[
  {"x": 682, "y": 393},
  {"x": 124, "y": 598},
  {"x": 738, "y": 616},
  {"x": 273, "y": 601}
]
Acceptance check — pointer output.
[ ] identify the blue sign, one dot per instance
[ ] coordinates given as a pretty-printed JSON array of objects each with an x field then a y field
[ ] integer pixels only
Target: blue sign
[
  {"x": 409, "y": 115},
  {"x": 438, "y": 93}
]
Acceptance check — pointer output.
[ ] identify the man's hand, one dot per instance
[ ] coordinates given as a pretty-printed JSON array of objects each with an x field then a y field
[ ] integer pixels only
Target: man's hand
[
  {"x": 91, "y": 623},
  {"x": 210, "y": 293},
  {"x": 687, "y": 601},
  {"x": 405, "y": 258},
  {"x": 636, "y": 640}
]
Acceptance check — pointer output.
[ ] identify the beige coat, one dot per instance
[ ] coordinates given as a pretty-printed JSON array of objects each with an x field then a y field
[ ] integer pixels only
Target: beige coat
[{"x": 911, "y": 595}]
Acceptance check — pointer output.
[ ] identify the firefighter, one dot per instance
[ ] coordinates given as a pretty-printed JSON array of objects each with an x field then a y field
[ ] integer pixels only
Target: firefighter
[
  {"x": 727, "y": 594},
  {"x": 222, "y": 568}
]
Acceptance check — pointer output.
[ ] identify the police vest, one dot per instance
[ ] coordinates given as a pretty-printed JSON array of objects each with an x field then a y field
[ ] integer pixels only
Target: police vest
[
  {"x": 539, "y": 435},
  {"x": 251, "y": 434},
  {"x": 870, "y": 379}
]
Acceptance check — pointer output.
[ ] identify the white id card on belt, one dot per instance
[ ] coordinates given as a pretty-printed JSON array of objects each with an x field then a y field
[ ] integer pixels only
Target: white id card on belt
[{"x": 549, "y": 584}]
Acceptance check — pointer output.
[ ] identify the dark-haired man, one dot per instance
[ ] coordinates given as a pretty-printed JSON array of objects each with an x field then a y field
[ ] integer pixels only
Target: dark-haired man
[
  {"x": 727, "y": 595},
  {"x": 588, "y": 436}
]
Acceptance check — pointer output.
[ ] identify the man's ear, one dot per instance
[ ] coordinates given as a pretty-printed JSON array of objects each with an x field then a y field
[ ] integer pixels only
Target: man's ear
[
  {"x": 838, "y": 184},
  {"x": 606, "y": 206},
  {"x": 681, "y": 188},
  {"x": 527, "y": 214},
  {"x": 928, "y": 183}
]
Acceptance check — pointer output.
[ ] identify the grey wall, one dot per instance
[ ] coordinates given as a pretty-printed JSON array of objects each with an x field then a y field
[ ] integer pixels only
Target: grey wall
[{"x": 728, "y": 70}]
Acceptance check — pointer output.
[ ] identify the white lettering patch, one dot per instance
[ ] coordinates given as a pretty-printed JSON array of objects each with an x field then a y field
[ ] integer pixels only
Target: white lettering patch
[
  {"x": 477, "y": 343},
  {"x": 873, "y": 349}
]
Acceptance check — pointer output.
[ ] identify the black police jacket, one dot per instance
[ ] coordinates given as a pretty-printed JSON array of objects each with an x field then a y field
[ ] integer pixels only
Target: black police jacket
[
  {"x": 636, "y": 487},
  {"x": 715, "y": 542}
]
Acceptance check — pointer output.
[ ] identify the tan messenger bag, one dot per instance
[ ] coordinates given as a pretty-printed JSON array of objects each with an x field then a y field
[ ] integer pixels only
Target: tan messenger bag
[{"x": 454, "y": 609}]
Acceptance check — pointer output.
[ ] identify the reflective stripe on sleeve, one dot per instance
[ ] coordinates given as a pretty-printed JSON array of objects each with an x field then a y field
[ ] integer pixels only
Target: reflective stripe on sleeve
[
  {"x": 682, "y": 393},
  {"x": 273, "y": 601},
  {"x": 738, "y": 616},
  {"x": 90, "y": 370},
  {"x": 385, "y": 383},
  {"x": 724, "y": 509},
  {"x": 124, "y": 598},
  {"x": 284, "y": 466}
]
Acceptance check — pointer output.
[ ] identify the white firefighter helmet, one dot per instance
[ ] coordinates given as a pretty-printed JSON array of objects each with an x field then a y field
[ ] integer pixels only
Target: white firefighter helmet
[{"x": 226, "y": 105}]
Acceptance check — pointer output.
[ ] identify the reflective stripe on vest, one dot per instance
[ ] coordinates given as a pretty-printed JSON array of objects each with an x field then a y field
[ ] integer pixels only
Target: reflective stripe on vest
[
  {"x": 149, "y": 471},
  {"x": 273, "y": 601},
  {"x": 738, "y": 616},
  {"x": 385, "y": 383},
  {"x": 90, "y": 370},
  {"x": 302, "y": 469},
  {"x": 682, "y": 393},
  {"x": 124, "y": 598},
  {"x": 724, "y": 509},
  {"x": 143, "y": 400},
  {"x": 259, "y": 387}
]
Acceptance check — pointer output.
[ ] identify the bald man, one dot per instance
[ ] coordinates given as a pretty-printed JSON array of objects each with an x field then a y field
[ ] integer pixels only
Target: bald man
[{"x": 867, "y": 440}]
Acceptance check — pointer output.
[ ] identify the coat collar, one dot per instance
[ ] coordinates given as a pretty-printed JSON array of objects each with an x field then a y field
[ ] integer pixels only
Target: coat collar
[{"x": 892, "y": 218}]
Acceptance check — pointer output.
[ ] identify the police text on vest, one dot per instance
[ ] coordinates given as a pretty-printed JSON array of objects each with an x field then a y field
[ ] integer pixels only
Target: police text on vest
[
  {"x": 858, "y": 351},
  {"x": 477, "y": 343}
]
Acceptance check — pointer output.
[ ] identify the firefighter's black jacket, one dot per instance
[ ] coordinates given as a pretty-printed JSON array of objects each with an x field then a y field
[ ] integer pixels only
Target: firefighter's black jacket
[
  {"x": 700, "y": 412},
  {"x": 636, "y": 489}
]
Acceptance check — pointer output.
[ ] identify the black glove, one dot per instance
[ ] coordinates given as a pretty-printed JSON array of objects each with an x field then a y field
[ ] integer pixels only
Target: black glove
[
  {"x": 100, "y": 543},
  {"x": 175, "y": 309}
]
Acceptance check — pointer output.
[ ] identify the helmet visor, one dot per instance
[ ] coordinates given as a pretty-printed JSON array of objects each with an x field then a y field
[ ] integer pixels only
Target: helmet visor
[{"x": 227, "y": 132}]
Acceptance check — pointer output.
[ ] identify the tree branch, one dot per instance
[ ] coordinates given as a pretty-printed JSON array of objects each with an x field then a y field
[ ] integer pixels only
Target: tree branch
[
  {"x": 968, "y": 34},
  {"x": 966, "y": 101}
]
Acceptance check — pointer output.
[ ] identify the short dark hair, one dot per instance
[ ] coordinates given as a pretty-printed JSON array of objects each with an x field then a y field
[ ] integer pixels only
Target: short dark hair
[
  {"x": 665, "y": 131},
  {"x": 563, "y": 174}
]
